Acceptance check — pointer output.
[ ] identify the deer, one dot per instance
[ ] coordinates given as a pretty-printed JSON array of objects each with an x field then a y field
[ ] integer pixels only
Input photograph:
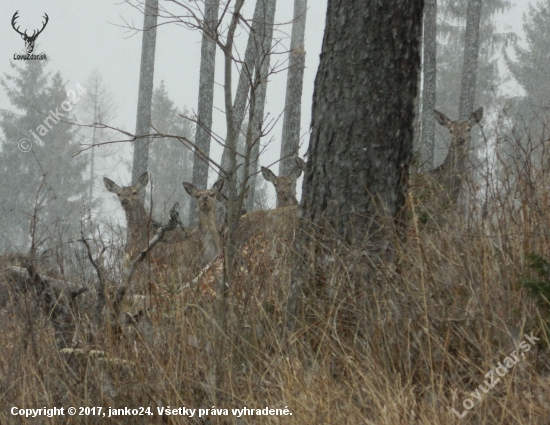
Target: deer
[
  {"x": 209, "y": 228},
  {"x": 453, "y": 169},
  {"x": 141, "y": 226},
  {"x": 284, "y": 185},
  {"x": 137, "y": 219},
  {"x": 444, "y": 183}
]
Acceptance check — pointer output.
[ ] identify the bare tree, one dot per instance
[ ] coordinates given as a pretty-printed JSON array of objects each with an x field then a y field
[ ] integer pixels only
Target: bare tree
[
  {"x": 256, "y": 120},
  {"x": 471, "y": 54},
  {"x": 246, "y": 77},
  {"x": 429, "y": 70},
  {"x": 96, "y": 106},
  {"x": 294, "y": 84},
  {"x": 206, "y": 97},
  {"x": 143, "y": 120}
]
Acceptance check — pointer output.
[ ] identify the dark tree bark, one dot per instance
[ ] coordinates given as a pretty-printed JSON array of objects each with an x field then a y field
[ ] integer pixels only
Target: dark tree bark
[
  {"x": 362, "y": 133},
  {"x": 206, "y": 99},
  {"x": 429, "y": 89},
  {"x": 263, "y": 56},
  {"x": 471, "y": 54},
  {"x": 290, "y": 139},
  {"x": 363, "y": 111},
  {"x": 143, "y": 120}
]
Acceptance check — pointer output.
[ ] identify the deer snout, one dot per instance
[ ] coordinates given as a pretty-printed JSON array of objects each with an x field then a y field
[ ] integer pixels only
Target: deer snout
[{"x": 124, "y": 202}]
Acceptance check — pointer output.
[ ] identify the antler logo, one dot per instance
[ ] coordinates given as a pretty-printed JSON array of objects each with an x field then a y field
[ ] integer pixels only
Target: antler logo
[{"x": 29, "y": 39}]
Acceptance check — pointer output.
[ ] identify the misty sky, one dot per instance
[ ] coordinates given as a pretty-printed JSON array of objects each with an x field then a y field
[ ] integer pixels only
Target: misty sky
[{"x": 85, "y": 35}]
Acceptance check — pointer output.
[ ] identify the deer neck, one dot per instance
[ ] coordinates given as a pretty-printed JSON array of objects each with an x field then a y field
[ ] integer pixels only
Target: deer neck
[
  {"x": 455, "y": 162},
  {"x": 138, "y": 224},
  {"x": 287, "y": 200},
  {"x": 210, "y": 235}
]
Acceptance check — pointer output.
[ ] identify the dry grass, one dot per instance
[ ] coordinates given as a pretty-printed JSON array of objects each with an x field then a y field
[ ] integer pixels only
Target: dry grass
[{"x": 403, "y": 345}]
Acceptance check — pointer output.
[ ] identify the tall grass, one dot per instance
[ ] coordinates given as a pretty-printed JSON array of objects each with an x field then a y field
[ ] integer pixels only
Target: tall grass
[{"x": 402, "y": 344}]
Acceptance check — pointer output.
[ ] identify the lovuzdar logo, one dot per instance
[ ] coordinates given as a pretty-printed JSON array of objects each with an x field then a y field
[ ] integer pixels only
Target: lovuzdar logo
[{"x": 29, "y": 39}]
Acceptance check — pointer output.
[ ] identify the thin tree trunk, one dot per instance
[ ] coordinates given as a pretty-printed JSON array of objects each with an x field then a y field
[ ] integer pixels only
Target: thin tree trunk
[
  {"x": 429, "y": 89},
  {"x": 362, "y": 132},
  {"x": 263, "y": 56},
  {"x": 222, "y": 285},
  {"x": 471, "y": 54},
  {"x": 245, "y": 77},
  {"x": 290, "y": 139},
  {"x": 93, "y": 147},
  {"x": 143, "y": 120},
  {"x": 206, "y": 100}
]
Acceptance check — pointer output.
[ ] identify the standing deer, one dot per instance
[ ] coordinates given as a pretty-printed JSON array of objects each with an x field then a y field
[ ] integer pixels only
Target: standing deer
[
  {"x": 284, "y": 185},
  {"x": 452, "y": 171},
  {"x": 209, "y": 228}
]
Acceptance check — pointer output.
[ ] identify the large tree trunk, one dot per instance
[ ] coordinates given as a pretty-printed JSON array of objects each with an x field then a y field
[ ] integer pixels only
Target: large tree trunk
[
  {"x": 263, "y": 56},
  {"x": 290, "y": 140},
  {"x": 143, "y": 120},
  {"x": 206, "y": 100},
  {"x": 471, "y": 54},
  {"x": 363, "y": 111},
  {"x": 362, "y": 129},
  {"x": 429, "y": 89}
]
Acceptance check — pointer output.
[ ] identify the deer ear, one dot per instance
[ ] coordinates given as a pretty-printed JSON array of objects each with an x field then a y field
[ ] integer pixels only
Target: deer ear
[
  {"x": 300, "y": 163},
  {"x": 190, "y": 189},
  {"x": 442, "y": 119},
  {"x": 142, "y": 181},
  {"x": 111, "y": 185},
  {"x": 217, "y": 187},
  {"x": 299, "y": 167},
  {"x": 476, "y": 116},
  {"x": 268, "y": 174}
]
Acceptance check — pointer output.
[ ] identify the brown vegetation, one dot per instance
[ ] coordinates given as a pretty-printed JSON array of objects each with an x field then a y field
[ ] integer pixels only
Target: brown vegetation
[{"x": 401, "y": 346}]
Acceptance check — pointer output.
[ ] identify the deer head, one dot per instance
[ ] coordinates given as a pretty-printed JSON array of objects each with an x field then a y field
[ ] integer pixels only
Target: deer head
[
  {"x": 29, "y": 39},
  {"x": 460, "y": 132},
  {"x": 284, "y": 185},
  {"x": 129, "y": 196},
  {"x": 206, "y": 199}
]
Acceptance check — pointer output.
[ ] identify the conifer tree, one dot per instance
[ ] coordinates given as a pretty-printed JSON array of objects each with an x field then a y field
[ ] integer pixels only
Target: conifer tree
[
  {"x": 170, "y": 160},
  {"x": 38, "y": 144}
]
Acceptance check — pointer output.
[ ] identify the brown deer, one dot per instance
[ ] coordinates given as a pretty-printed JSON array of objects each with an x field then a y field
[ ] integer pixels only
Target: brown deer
[
  {"x": 140, "y": 225},
  {"x": 284, "y": 185},
  {"x": 209, "y": 228},
  {"x": 452, "y": 171},
  {"x": 137, "y": 219}
]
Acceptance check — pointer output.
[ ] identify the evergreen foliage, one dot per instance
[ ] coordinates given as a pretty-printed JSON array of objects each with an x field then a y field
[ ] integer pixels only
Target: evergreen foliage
[
  {"x": 170, "y": 160},
  {"x": 39, "y": 98}
]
